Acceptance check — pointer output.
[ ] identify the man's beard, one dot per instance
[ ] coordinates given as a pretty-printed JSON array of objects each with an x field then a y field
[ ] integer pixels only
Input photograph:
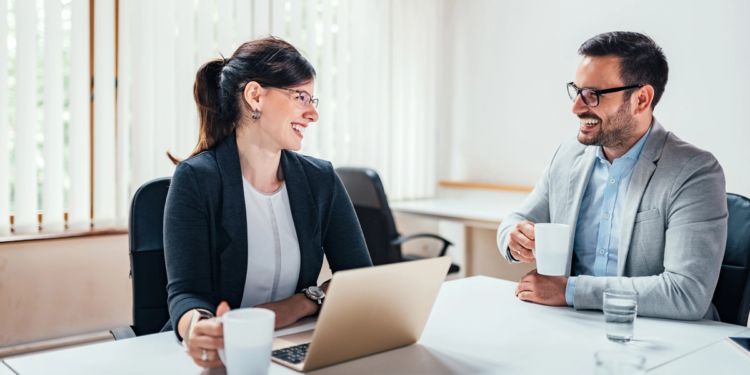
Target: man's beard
[{"x": 620, "y": 129}]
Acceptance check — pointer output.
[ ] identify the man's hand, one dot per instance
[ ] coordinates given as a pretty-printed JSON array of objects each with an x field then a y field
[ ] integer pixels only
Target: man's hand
[
  {"x": 522, "y": 242},
  {"x": 541, "y": 289}
]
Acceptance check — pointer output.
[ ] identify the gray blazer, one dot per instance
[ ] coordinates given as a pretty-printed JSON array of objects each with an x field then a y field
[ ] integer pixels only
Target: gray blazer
[
  {"x": 673, "y": 231},
  {"x": 205, "y": 227}
]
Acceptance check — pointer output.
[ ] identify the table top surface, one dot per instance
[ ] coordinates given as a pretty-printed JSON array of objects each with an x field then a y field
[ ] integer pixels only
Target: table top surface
[
  {"x": 710, "y": 360},
  {"x": 5, "y": 370},
  {"x": 492, "y": 208},
  {"x": 477, "y": 326}
]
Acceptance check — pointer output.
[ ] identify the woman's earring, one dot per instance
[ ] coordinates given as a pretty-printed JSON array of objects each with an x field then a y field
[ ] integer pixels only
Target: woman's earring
[{"x": 256, "y": 114}]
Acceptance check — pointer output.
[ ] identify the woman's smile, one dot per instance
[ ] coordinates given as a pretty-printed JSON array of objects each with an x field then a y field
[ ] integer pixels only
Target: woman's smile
[{"x": 299, "y": 129}]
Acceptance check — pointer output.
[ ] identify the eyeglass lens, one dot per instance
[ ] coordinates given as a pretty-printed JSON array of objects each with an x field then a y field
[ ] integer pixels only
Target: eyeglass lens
[
  {"x": 304, "y": 99},
  {"x": 589, "y": 96}
]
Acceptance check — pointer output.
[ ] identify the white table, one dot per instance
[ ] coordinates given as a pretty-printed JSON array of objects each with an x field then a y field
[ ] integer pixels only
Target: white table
[
  {"x": 4, "y": 370},
  {"x": 477, "y": 326},
  {"x": 705, "y": 360}
]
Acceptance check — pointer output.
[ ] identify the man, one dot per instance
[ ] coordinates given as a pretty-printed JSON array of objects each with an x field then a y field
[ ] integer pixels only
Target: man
[{"x": 647, "y": 211}]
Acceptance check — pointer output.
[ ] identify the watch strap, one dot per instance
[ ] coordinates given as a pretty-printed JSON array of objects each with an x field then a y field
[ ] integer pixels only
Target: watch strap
[{"x": 197, "y": 315}]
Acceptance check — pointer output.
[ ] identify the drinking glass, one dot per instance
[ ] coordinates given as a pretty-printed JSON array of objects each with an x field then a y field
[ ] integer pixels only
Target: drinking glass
[
  {"x": 611, "y": 362},
  {"x": 620, "y": 310}
]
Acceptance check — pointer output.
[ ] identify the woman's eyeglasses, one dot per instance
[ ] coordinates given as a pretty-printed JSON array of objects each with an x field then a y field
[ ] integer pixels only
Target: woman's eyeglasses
[
  {"x": 303, "y": 98},
  {"x": 591, "y": 96}
]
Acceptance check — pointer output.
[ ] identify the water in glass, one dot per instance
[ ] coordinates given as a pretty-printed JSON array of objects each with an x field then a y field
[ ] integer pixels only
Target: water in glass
[{"x": 620, "y": 311}]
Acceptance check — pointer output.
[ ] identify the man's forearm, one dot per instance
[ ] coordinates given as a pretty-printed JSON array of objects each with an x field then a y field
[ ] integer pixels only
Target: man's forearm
[{"x": 667, "y": 295}]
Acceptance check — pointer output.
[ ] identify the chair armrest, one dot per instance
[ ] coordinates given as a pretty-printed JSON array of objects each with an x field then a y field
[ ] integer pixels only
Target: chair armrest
[
  {"x": 446, "y": 243},
  {"x": 121, "y": 333}
]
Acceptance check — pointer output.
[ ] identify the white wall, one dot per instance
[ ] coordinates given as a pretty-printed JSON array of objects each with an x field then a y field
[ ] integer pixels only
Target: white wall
[{"x": 507, "y": 62}]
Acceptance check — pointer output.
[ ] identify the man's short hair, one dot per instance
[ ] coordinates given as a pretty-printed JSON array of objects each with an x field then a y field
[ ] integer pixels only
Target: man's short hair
[{"x": 642, "y": 61}]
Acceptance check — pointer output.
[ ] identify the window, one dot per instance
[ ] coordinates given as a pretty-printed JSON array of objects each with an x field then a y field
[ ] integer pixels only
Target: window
[{"x": 387, "y": 49}]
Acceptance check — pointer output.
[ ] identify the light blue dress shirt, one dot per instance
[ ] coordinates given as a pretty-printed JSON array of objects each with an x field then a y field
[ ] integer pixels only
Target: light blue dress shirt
[{"x": 597, "y": 236}]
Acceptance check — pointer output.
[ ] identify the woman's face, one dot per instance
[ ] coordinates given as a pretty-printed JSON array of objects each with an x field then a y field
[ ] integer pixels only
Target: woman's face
[{"x": 283, "y": 118}]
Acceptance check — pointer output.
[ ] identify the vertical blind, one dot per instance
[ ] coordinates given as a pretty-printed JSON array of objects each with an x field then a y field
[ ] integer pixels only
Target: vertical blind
[
  {"x": 4, "y": 126},
  {"x": 377, "y": 73},
  {"x": 79, "y": 133}
]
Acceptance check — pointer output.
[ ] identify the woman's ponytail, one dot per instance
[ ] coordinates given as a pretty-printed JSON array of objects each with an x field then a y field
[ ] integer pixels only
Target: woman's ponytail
[
  {"x": 219, "y": 85},
  {"x": 206, "y": 91}
]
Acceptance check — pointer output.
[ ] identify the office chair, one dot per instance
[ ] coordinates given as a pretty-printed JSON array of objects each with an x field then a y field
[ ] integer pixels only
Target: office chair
[
  {"x": 147, "y": 268},
  {"x": 371, "y": 205},
  {"x": 732, "y": 295}
]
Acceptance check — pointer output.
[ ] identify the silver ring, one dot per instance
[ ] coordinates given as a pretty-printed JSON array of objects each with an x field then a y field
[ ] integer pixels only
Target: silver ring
[
  {"x": 518, "y": 251},
  {"x": 204, "y": 357}
]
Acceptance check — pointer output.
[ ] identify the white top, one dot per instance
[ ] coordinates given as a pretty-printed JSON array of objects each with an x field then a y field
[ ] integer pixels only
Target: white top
[{"x": 273, "y": 258}]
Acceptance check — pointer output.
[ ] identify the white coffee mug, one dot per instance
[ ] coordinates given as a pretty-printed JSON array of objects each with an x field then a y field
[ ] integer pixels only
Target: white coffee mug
[
  {"x": 552, "y": 248},
  {"x": 248, "y": 335}
]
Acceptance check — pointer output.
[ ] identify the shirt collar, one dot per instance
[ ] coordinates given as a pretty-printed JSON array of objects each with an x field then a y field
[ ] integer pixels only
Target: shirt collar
[{"x": 634, "y": 151}]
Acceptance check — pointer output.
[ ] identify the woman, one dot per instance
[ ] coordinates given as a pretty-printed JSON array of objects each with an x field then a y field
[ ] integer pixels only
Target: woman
[{"x": 246, "y": 220}]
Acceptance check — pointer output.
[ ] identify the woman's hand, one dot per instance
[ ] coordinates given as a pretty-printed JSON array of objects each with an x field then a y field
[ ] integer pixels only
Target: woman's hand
[
  {"x": 208, "y": 336},
  {"x": 291, "y": 309}
]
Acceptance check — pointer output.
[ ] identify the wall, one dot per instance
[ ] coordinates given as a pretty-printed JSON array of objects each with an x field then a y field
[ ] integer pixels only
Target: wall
[
  {"x": 507, "y": 63},
  {"x": 57, "y": 288}
]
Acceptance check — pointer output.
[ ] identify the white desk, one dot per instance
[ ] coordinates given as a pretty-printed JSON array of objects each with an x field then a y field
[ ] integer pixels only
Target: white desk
[
  {"x": 477, "y": 326},
  {"x": 705, "y": 360},
  {"x": 4, "y": 370}
]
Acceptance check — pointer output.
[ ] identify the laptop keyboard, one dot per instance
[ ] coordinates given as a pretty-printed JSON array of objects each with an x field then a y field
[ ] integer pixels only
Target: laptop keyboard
[{"x": 293, "y": 354}]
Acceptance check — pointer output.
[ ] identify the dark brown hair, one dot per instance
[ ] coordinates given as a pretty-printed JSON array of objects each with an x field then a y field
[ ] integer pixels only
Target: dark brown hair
[
  {"x": 220, "y": 83},
  {"x": 642, "y": 62}
]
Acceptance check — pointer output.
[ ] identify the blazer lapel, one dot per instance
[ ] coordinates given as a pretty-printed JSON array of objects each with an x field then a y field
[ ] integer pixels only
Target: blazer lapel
[
  {"x": 580, "y": 173},
  {"x": 644, "y": 169},
  {"x": 306, "y": 219},
  {"x": 233, "y": 252}
]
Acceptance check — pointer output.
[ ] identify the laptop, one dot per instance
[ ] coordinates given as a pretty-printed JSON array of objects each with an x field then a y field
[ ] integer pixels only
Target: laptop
[{"x": 366, "y": 311}]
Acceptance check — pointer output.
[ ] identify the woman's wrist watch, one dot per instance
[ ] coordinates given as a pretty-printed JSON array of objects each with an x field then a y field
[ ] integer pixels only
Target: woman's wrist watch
[
  {"x": 197, "y": 315},
  {"x": 315, "y": 294}
]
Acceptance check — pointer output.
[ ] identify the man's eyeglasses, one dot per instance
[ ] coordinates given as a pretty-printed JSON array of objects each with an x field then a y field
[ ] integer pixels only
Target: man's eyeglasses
[
  {"x": 303, "y": 98},
  {"x": 591, "y": 96}
]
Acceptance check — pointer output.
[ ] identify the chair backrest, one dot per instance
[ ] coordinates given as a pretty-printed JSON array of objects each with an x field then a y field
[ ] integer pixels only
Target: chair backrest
[
  {"x": 147, "y": 267},
  {"x": 732, "y": 295},
  {"x": 368, "y": 197}
]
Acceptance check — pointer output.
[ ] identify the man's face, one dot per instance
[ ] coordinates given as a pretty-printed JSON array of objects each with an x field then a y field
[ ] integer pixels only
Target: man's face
[{"x": 610, "y": 124}]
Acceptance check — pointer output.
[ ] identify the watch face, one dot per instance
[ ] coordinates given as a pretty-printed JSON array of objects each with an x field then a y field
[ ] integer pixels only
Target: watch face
[{"x": 315, "y": 291}]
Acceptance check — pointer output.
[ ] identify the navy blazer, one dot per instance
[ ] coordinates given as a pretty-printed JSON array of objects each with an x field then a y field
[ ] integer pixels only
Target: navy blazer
[{"x": 205, "y": 227}]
